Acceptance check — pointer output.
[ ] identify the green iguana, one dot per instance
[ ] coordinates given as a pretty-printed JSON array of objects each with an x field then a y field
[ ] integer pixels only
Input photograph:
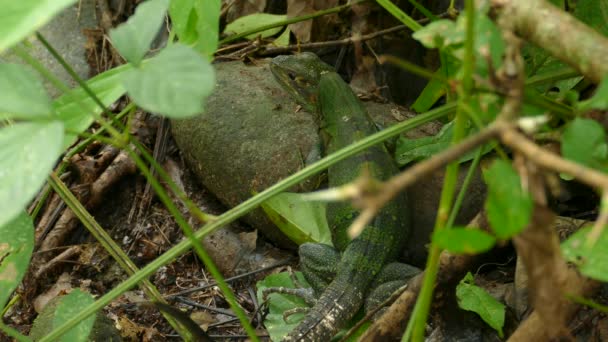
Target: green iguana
[{"x": 319, "y": 89}]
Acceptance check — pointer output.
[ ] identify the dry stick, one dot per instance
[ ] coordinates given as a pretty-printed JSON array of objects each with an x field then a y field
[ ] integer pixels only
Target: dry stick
[
  {"x": 339, "y": 42},
  {"x": 538, "y": 247},
  {"x": 65, "y": 255}
]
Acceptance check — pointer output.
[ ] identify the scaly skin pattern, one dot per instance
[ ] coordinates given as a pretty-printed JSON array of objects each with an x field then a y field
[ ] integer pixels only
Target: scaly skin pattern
[{"x": 344, "y": 121}]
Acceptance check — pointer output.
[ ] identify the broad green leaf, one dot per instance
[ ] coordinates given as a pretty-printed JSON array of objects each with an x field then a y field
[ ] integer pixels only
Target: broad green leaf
[
  {"x": 77, "y": 109},
  {"x": 283, "y": 39},
  {"x": 28, "y": 152},
  {"x": 133, "y": 38},
  {"x": 584, "y": 141},
  {"x": 279, "y": 303},
  {"x": 20, "y": 18},
  {"x": 439, "y": 34},
  {"x": 173, "y": 83},
  {"x": 409, "y": 150},
  {"x": 22, "y": 94},
  {"x": 462, "y": 240},
  {"x": 70, "y": 306},
  {"x": 252, "y": 21},
  {"x": 300, "y": 220},
  {"x": 197, "y": 23},
  {"x": 508, "y": 206},
  {"x": 488, "y": 42},
  {"x": 591, "y": 256},
  {"x": 474, "y": 298},
  {"x": 599, "y": 100},
  {"x": 16, "y": 247}
]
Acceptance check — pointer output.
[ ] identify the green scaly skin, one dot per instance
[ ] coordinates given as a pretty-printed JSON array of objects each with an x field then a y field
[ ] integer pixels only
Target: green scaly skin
[{"x": 319, "y": 89}]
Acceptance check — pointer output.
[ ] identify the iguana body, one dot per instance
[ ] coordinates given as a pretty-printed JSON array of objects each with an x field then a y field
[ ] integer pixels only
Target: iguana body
[{"x": 343, "y": 121}]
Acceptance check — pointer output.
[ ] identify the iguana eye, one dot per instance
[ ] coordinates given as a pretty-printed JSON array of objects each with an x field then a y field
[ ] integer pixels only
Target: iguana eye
[{"x": 292, "y": 76}]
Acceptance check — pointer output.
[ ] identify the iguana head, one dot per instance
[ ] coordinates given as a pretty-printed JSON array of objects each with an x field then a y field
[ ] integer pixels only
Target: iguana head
[{"x": 300, "y": 75}]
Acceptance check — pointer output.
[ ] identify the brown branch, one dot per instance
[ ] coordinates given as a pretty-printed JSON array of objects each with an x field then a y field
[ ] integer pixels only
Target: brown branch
[
  {"x": 558, "y": 32},
  {"x": 372, "y": 202},
  {"x": 552, "y": 161}
]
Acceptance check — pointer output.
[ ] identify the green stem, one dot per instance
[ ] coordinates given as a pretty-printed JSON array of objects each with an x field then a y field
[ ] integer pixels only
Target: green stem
[
  {"x": 12, "y": 332},
  {"x": 249, "y": 205},
  {"x": 423, "y": 304},
  {"x": 196, "y": 243},
  {"x": 107, "y": 242}
]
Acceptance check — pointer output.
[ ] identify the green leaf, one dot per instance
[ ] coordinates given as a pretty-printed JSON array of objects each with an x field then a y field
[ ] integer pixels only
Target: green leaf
[
  {"x": 590, "y": 256},
  {"x": 76, "y": 109},
  {"x": 462, "y": 240},
  {"x": 16, "y": 247},
  {"x": 473, "y": 298},
  {"x": 509, "y": 207},
  {"x": 488, "y": 42},
  {"x": 174, "y": 83},
  {"x": 28, "y": 152},
  {"x": 439, "y": 34},
  {"x": 22, "y": 94},
  {"x": 409, "y": 150},
  {"x": 70, "y": 306},
  {"x": 300, "y": 220},
  {"x": 20, "y": 18},
  {"x": 133, "y": 38},
  {"x": 594, "y": 14},
  {"x": 197, "y": 23},
  {"x": 584, "y": 141},
  {"x": 279, "y": 303},
  {"x": 250, "y": 22},
  {"x": 599, "y": 100}
]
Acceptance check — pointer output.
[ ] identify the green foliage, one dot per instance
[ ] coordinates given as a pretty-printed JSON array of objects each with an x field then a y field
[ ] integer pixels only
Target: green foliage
[
  {"x": 508, "y": 206},
  {"x": 68, "y": 307},
  {"x": 590, "y": 255},
  {"x": 584, "y": 141},
  {"x": 299, "y": 219},
  {"x": 461, "y": 240},
  {"x": 173, "y": 83},
  {"x": 248, "y": 22},
  {"x": 594, "y": 14},
  {"x": 77, "y": 110},
  {"x": 474, "y": 298},
  {"x": 16, "y": 247},
  {"x": 197, "y": 23},
  {"x": 21, "y": 18},
  {"x": 133, "y": 38},
  {"x": 29, "y": 152},
  {"x": 278, "y": 303},
  {"x": 22, "y": 94},
  {"x": 409, "y": 150},
  {"x": 599, "y": 100},
  {"x": 439, "y": 34}
]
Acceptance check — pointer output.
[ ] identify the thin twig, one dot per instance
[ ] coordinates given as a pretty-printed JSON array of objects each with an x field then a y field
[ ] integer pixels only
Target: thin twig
[
  {"x": 552, "y": 161},
  {"x": 376, "y": 200}
]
